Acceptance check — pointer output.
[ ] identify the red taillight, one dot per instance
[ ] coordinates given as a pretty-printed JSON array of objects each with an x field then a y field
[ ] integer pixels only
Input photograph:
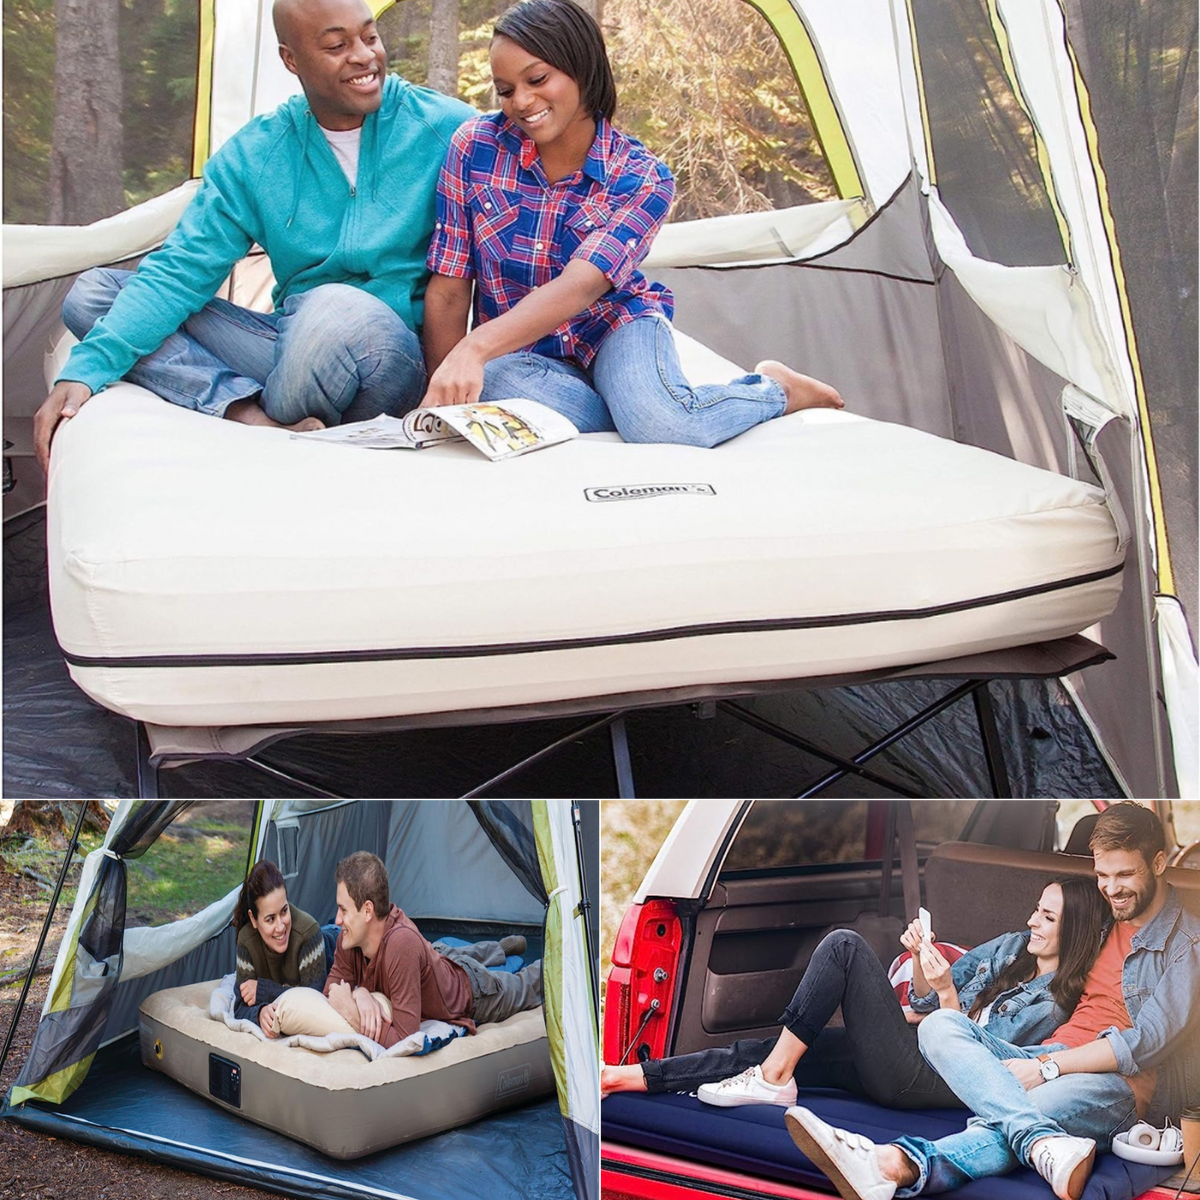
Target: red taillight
[{"x": 641, "y": 982}]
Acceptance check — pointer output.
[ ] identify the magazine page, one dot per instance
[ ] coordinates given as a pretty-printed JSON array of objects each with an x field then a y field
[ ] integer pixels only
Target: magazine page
[
  {"x": 417, "y": 429},
  {"x": 504, "y": 429}
]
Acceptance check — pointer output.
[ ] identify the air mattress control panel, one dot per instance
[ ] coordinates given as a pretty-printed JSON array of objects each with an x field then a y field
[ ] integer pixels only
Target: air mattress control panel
[{"x": 225, "y": 1080}]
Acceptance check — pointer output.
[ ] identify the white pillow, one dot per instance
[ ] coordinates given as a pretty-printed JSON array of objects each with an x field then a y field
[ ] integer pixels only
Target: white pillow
[{"x": 305, "y": 1010}]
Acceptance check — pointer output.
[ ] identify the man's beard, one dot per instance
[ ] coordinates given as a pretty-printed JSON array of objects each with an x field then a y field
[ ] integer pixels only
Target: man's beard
[{"x": 1142, "y": 901}]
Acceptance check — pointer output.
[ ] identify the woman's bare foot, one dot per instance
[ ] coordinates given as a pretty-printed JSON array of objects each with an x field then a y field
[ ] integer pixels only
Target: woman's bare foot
[
  {"x": 802, "y": 391},
  {"x": 621, "y": 1079},
  {"x": 250, "y": 412}
]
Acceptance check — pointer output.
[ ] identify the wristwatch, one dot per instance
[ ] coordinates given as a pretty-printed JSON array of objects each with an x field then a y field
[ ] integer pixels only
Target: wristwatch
[{"x": 1049, "y": 1068}]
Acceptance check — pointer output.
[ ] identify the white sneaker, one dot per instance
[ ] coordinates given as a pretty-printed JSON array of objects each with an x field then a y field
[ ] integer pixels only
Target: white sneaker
[
  {"x": 1065, "y": 1164},
  {"x": 849, "y": 1159},
  {"x": 747, "y": 1088}
]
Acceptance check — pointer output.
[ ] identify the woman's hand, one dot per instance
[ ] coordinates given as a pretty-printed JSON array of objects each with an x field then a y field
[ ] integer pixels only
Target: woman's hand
[
  {"x": 266, "y": 1020},
  {"x": 912, "y": 939},
  {"x": 937, "y": 970},
  {"x": 459, "y": 380},
  {"x": 249, "y": 990}
]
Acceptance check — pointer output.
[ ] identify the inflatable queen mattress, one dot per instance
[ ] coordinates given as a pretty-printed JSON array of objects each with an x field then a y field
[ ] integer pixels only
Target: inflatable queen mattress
[
  {"x": 340, "y": 1102},
  {"x": 208, "y": 573}
]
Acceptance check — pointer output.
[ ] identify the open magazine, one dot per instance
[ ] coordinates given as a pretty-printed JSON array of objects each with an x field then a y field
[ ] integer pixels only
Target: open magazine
[{"x": 502, "y": 429}]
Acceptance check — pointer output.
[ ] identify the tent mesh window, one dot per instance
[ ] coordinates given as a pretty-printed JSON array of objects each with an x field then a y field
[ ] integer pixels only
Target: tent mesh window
[
  {"x": 116, "y": 128},
  {"x": 984, "y": 148},
  {"x": 1138, "y": 63},
  {"x": 704, "y": 84}
]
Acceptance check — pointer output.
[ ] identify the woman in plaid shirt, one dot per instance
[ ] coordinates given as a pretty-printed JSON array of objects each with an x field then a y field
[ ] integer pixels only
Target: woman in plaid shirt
[{"x": 545, "y": 210}]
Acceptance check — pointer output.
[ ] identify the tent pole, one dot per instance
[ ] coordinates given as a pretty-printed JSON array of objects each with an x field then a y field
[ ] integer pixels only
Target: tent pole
[
  {"x": 62, "y": 877},
  {"x": 585, "y": 905}
]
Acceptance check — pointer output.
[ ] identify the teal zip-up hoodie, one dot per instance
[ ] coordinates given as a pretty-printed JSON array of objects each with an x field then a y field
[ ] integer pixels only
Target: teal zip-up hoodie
[{"x": 277, "y": 182}]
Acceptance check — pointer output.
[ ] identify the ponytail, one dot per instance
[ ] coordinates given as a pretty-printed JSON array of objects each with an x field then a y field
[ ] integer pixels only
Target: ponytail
[{"x": 262, "y": 881}]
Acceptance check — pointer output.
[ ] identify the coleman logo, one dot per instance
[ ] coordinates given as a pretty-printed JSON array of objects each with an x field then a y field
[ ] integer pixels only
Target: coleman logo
[
  {"x": 641, "y": 491},
  {"x": 512, "y": 1081}
]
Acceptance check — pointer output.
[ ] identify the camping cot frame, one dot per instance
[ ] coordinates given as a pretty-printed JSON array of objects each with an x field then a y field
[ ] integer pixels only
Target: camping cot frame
[
  {"x": 860, "y": 68},
  {"x": 545, "y": 852},
  {"x": 159, "y": 747}
]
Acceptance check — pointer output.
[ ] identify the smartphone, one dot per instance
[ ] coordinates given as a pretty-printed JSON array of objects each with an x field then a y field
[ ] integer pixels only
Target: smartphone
[{"x": 926, "y": 922}]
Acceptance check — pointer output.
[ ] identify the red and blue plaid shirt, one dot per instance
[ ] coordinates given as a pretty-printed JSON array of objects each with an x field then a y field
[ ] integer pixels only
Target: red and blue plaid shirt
[{"x": 503, "y": 224}]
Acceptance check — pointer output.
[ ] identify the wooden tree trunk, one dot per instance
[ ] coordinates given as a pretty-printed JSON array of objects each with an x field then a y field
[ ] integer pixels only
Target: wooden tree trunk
[
  {"x": 51, "y": 818},
  {"x": 86, "y": 154},
  {"x": 443, "y": 46}
]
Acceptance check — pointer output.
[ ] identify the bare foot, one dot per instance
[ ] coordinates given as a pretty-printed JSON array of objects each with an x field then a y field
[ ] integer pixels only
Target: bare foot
[
  {"x": 249, "y": 412},
  {"x": 803, "y": 391},
  {"x": 621, "y": 1079},
  {"x": 896, "y": 1165}
]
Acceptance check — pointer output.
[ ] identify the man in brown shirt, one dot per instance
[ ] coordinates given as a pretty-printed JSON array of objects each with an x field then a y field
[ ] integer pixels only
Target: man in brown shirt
[{"x": 387, "y": 954}]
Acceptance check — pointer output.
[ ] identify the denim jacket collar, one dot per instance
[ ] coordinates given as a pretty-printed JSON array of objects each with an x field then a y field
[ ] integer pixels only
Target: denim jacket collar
[{"x": 1153, "y": 935}]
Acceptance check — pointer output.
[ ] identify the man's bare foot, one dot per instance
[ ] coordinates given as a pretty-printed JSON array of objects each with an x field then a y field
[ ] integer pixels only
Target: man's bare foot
[
  {"x": 802, "y": 391},
  {"x": 250, "y": 412},
  {"x": 621, "y": 1079}
]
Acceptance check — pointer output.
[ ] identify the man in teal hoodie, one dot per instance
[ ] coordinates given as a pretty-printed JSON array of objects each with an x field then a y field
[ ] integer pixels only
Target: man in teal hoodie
[{"x": 337, "y": 186}]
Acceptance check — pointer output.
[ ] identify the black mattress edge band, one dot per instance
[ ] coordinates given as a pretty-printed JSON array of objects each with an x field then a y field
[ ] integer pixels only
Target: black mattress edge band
[{"x": 773, "y": 625}]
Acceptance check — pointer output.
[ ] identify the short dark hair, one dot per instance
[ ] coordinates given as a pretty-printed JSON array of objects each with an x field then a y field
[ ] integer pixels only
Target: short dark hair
[
  {"x": 365, "y": 878},
  {"x": 1129, "y": 826},
  {"x": 263, "y": 879},
  {"x": 562, "y": 34}
]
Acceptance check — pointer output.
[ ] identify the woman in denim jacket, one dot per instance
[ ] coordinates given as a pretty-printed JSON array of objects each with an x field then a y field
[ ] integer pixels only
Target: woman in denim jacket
[{"x": 1022, "y": 986}]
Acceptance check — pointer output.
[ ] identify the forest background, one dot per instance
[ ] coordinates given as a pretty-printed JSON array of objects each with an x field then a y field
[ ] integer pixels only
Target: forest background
[{"x": 703, "y": 83}]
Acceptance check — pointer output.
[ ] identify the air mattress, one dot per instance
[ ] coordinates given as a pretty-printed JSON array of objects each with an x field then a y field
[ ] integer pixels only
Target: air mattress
[
  {"x": 755, "y": 1140},
  {"x": 206, "y": 573},
  {"x": 339, "y": 1103}
]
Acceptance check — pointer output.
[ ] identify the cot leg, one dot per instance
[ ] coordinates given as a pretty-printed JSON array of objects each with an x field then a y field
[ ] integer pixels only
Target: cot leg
[
  {"x": 147, "y": 773},
  {"x": 993, "y": 751},
  {"x": 621, "y": 763}
]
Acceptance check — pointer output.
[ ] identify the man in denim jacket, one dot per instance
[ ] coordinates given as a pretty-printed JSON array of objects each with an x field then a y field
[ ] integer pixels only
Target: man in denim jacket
[{"x": 1124, "y": 1054}]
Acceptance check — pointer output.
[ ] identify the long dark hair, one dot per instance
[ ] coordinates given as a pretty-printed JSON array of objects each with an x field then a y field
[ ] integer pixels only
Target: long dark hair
[
  {"x": 560, "y": 33},
  {"x": 1084, "y": 916},
  {"x": 261, "y": 881}
]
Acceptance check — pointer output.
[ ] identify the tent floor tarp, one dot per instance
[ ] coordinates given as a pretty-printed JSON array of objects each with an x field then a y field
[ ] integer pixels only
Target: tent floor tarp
[
  {"x": 59, "y": 744},
  {"x": 122, "y": 1106}
]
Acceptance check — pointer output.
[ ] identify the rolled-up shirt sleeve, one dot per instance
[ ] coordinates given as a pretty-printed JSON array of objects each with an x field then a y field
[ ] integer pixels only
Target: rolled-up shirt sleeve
[
  {"x": 1163, "y": 1019},
  {"x": 450, "y": 247},
  {"x": 617, "y": 247}
]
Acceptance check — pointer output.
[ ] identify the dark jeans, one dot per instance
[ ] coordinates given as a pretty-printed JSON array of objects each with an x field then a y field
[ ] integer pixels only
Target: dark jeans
[{"x": 875, "y": 1054}]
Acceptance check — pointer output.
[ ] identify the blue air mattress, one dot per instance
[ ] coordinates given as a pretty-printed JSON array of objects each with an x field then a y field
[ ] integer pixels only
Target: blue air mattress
[{"x": 755, "y": 1140}]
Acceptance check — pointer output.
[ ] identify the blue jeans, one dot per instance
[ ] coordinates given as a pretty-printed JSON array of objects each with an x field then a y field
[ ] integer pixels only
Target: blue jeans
[
  {"x": 335, "y": 352},
  {"x": 636, "y": 386},
  {"x": 1009, "y": 1119}
]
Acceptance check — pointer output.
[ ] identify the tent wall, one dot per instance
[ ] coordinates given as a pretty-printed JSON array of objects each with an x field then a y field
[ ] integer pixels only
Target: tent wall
[
  {"x": 209, "y": 960},
  {"x": 820, "y": 316},
  {"x": 440, "y": 862}
]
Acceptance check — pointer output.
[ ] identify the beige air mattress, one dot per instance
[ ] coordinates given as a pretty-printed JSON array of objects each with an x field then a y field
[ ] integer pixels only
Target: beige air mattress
[
  {"x": 206, "y": 573},
  {"x": 340, "y": 1103}
]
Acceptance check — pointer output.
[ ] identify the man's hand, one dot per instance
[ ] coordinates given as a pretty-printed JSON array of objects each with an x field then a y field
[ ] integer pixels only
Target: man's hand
[
  {"x": 65, "y": 400},
  {"x": 342, "y": 1003},
  {"x": 249, "y": 990},
  {"x": 370, "y": 1014},
  {"x": 1028, "y": 1071},
  {"x": 266, "y": 1019},
  {"x": 459, "y": 380}
]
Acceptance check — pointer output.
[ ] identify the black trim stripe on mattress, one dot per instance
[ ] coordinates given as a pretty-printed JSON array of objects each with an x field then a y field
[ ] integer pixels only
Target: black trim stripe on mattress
[{"x": 779, "y": 624}]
